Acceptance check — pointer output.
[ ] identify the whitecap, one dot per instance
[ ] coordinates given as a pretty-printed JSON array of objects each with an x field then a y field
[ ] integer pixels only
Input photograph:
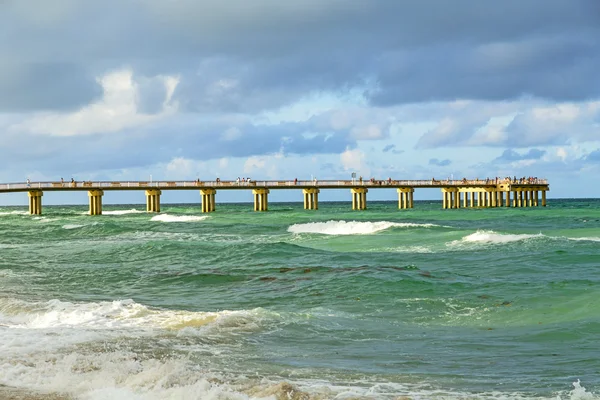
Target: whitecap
[
  {"x": 586, "y": 239},
  {"x": 352, "y": 227},
  {"x": 14, "y": 213},
  {"x": 122, "y": 212},
  {"x": 178, "y": 218},
  {"x": 491, "y": 237}
]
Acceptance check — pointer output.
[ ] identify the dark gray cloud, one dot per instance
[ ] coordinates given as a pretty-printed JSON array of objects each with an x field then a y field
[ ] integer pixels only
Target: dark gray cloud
[
  {"x": 440, "y": 163},
  {"x": 277, "y": 52}
]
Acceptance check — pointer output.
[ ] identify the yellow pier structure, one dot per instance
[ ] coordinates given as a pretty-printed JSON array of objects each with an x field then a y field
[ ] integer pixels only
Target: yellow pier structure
[
  {"x": 463, "y": 193},
  {"x": 405, "y": 198},
  {"x": 311, "y": 199},
  {"x": 153, "y": 200},
  {"x": 359, "y": 198},
  {"x": 35, "y": 202},
  {"x": 208, "y": 200},
  {"x": 490, "y": 196},
  {"x": 95, "y": 197},
  {"x": 261, "y": 199}
]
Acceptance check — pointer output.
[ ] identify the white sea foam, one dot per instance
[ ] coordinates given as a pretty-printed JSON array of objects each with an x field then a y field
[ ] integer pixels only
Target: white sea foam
[
  {"x": 77, "y": 226},
  {"x": 586, "y": 239},
  {"x": 117, "y": 350},
  {"x": 178, "y": 218},
  {"x": 122, "y": 212},
  {"x": 352, "y": 227},
  {"x": 13, "y": 213},
  {"x": 115, "y": 315},
  {"x": 495, "y": 238}
]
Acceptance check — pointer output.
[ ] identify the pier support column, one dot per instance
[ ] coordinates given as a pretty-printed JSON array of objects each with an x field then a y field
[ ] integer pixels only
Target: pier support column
[
  {"x": 471, "y": 198},
  {"x": 208, "y": 200},
  {"x": 261, "y": 199},
  {"x": 507, "y": 203},
  {"x": 359, "y": 198},
  {"x": 493, "y": 199},
  {"x": 536, "y": 198},
  {"x": 405, "y": 198},
  {"x": 95, "y": 197},
  {"x": 311, "y": 199},
  {"x": 543, "y": 198},
  {"x": 35, "y": 202},
  {"x": 153, "y": 200},
  {"x": 450, "y": 197}
]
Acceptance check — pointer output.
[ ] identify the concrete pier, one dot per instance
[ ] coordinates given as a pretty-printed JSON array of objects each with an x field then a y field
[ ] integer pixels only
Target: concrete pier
[
  {"x": 153, "y": 200},
  {"x": 405, "y": 197},
  {"x": 208, "y": 200},
  {"x": 35, "y": 202},
  {"x": 261, "y": 199},
  {"x": 95, "y": 197},
  {"x": 464, "y": 193},
  {"x": 359, "y": 198},
  {"x": 311, "y": 199}
]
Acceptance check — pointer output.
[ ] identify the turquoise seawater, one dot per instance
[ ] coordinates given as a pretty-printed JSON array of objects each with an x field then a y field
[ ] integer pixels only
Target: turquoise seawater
[{"x": 295, "y": 304}]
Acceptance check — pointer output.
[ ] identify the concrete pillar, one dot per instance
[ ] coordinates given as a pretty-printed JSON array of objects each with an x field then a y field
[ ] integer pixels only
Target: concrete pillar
[
  {"x": 208, "y": 200},
  {"x": 405, "y": 197},
  {"x": 507, "y": 203},
  {"x": 530, "y": 198},
  {"x": 153, "y": 200},
  {"x": 471, "y": 197},
  {"x": 359, "y": 198},
  {"x": 311, "y": 199},
  {"x": 261, "y": 200},
  {"x": 520, "y": 199},
  {"x": 543, "y": 198},
  {"x": 35, "y": 202},
  {"x": 95, "y": 197},
  {"x": 536, "y": 198}
]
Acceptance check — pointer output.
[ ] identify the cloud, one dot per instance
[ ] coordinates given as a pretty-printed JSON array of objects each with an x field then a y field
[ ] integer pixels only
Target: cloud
[
  {"x": 117, "y": 110},
  {"x": 515, "y": 124},
  {"x": 233, "y": 57},
  {"x": 593, "y": 156},
  {"x": 510, "y": 155},
  {"x": 440, "y": 163},
  {"x": 354, "y": 160}
]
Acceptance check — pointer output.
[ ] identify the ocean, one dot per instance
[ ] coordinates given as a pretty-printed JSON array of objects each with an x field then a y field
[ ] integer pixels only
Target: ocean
[{"x": 425, "y": 303}]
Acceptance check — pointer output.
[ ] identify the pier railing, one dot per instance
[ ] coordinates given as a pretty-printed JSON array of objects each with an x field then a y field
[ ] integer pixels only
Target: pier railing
[{"x": 274, "y": 184}]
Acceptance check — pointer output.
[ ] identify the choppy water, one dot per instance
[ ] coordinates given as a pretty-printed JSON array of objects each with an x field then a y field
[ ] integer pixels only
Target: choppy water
[{"x": 424, "y": 303}]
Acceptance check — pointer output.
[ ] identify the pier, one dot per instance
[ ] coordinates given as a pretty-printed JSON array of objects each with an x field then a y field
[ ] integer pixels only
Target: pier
[{"x": 455, "y": 193}]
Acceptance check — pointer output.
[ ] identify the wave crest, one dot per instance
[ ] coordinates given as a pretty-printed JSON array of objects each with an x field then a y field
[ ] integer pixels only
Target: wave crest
[
  {"x": 122, "y": 212},
  {"x": 352, "y": 227},
  {"x": 178, "y": 218},
  {"x": 494, "y": 237}
]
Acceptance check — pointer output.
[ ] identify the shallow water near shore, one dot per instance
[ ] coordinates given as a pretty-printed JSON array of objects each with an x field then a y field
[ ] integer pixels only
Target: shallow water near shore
[{"x": 424, "y": 303}]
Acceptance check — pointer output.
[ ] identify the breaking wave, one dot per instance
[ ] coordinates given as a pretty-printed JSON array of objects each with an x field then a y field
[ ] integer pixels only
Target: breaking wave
[
  {"x": 122, "y": 212},
  {"x": 352, "y": 227},
  {"x": 178, "y": 218}
]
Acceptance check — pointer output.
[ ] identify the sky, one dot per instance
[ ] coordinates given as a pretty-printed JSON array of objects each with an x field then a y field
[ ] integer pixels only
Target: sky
[{"x": 271, "y": 89}]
